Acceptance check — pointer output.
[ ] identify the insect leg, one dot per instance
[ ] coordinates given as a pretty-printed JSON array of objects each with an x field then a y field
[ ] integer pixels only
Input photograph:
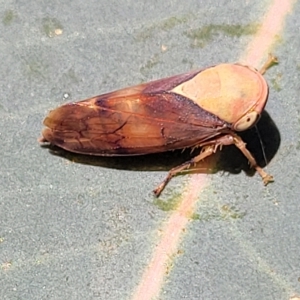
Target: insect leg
[
  {"x": 267, "y": 178},
  {"x": 206, "y": 151},
  {"x": 211, "y": 147},
  {"x": 233, "y": 138}
]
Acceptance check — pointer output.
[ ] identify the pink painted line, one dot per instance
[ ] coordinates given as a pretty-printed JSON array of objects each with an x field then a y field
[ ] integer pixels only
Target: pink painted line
[
  {"x": 171, "y": 235},
  {"x": 167, "y": 248},
  {"x": 268, "y": 34}
]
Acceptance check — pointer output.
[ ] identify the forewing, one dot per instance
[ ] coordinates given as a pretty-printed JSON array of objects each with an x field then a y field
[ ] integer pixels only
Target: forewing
[{"x": 132, "y": 121}]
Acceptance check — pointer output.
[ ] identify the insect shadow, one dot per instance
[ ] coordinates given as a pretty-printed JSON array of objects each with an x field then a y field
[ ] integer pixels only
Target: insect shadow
[
  {"x": 262, "y": 141},
  {"x": 230, "y": 158}
]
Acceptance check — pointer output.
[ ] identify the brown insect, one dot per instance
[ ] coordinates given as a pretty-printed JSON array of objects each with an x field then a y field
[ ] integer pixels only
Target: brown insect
[{"x": 197, "y": 109}]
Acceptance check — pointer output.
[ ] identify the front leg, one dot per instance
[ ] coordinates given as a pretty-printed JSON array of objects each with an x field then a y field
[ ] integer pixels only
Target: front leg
[
  {"x": 267, "y": 178},
  {"x": 210, "y": 147}
]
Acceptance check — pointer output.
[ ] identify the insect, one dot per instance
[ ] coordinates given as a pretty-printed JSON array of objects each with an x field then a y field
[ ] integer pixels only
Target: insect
[{"x": 203, "y": 108}]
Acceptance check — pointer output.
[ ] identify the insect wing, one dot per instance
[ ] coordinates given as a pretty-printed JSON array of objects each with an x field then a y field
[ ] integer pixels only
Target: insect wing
[{"x": 143, "y": 119}]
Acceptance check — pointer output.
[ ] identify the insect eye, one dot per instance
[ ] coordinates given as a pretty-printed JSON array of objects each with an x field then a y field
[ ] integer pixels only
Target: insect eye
[{"x": 246, "y": 121}]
